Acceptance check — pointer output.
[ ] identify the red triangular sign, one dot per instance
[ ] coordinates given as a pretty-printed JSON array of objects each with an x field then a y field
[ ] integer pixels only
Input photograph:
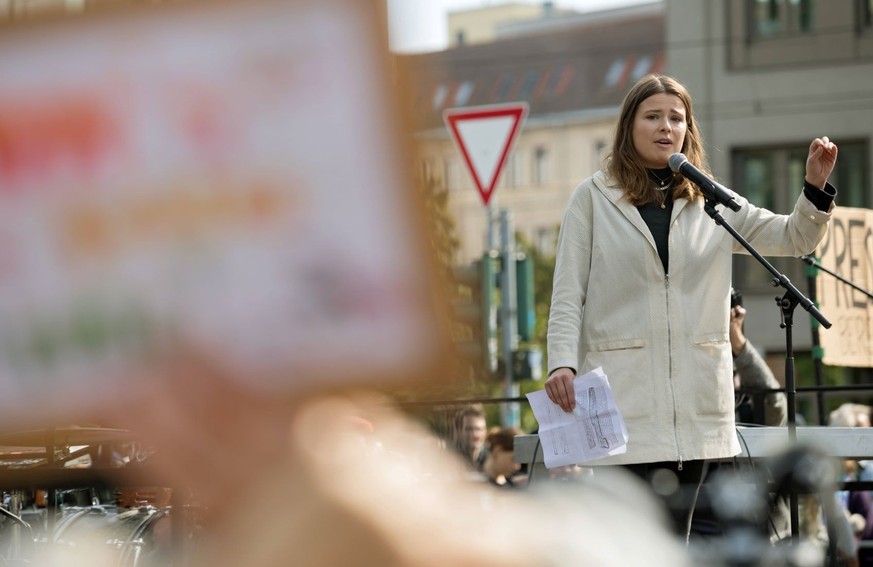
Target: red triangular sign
[{"x": 484, "y": 135}]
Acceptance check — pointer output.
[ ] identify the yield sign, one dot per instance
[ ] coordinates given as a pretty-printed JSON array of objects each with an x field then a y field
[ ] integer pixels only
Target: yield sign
[{"x": 484, "y": 135}]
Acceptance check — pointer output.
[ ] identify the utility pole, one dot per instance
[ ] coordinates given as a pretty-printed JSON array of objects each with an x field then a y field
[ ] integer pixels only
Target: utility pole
[{"x": 511, "y": 412}]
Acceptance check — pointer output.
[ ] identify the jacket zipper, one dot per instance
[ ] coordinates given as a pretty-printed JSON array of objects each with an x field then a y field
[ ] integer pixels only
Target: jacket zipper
[{"x": 670, "y": 362}]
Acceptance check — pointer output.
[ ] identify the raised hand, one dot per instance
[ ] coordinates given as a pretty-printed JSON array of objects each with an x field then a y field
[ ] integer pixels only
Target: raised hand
[{"x": 820, "y": 161}]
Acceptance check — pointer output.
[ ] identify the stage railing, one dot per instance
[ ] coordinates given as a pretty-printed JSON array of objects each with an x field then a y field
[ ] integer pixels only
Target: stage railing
[{"x": 851, "y": 443}]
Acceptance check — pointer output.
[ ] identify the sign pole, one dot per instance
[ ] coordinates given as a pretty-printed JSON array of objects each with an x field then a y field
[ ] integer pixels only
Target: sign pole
[
  {"x": 484, "y": 136},
  {"x": 508, "y": 321}
]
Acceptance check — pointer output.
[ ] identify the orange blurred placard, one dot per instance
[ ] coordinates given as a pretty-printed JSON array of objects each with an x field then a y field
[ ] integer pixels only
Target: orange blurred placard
[{"x": 227, "y": 172}]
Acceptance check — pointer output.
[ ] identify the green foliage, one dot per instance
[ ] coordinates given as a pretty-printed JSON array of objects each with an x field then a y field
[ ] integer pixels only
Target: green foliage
[
  {"x": 445, "y": 243},
  {"x": 441, "y": 225},
  {"x": 528, "y": 421}
]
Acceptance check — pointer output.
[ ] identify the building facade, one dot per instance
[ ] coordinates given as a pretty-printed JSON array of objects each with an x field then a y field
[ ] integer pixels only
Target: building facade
[
  {"x": 470, "y": 27},
  {"x": 572, "y": 76},
  {"x": 768, "y": 76}
]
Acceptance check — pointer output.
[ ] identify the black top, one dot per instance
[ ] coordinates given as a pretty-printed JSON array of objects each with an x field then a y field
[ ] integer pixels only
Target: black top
[
  {"x": 658, "y": 220},
  {"x": 657, "y": 217}
]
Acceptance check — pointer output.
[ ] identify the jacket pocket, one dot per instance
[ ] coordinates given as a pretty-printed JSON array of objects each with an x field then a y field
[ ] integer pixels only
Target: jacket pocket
[
  {"x": 711, "y": 339},
  {"x": 715, "y": 396},
  {"x": 617, "y": 344},
  {"x": 622, "y": 360}
]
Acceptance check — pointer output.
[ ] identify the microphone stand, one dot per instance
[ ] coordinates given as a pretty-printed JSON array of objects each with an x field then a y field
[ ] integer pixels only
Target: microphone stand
[
  {"x": 787, "y": 303},
  {"x": 813, "y": 262}
]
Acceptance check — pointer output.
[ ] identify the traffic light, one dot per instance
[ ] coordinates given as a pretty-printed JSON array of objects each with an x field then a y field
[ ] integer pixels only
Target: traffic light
[
  {"x": 527, "y": 363},
  {"x": 476, "y": 306},
  {"x": 475, "y": 329},
  {"x": 525, "y": 306}
]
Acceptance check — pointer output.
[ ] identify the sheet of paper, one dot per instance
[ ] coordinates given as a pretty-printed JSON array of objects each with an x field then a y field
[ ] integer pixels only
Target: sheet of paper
[{"x": 593, "y": 430}]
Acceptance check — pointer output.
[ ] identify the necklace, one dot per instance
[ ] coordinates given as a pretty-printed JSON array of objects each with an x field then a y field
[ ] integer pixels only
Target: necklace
[
  {"x": 663, "y": 192},
  {"x": 662, "y": 181}
]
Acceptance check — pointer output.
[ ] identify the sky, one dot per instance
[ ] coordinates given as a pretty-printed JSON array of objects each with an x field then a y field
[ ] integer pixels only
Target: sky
[{"x": 416, "y": 26}]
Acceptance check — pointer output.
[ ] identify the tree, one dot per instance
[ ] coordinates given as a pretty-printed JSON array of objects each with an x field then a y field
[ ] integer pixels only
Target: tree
[
  {"x": 441, "y": 226},
  {"x": 444, "y": 243}
]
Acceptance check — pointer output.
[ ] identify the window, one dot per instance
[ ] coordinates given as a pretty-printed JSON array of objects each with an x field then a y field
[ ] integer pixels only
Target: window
[
  {"x": 771, "y": 178},
  {"x": 757, "y": 171},
  {"x": 425, "y": 170},
  {"x": 559, "y": 80},
  {"x": 451, "y": 174},
  {"x": 600, "y": 151},
  {"x": 513, "y": 172},
  {"x": 540, "y": 166},
  {"x": 503, "y": 87},
  {"x": 616, "y": 70},
  {"x": 465, "y": 90},
  {"x": 554, "y": 78},
  {"x": 766, "y": 17},
  {"x": 866, "y": 14},
  {"x": 530, "y": 81},
  {"x": 797, "y": 33},
  {"x": 439, "y": 96},
  {"x": 641, "y": 67},
  {"x": 852, "y": 176},
  {"x": 772, "y": 18}
]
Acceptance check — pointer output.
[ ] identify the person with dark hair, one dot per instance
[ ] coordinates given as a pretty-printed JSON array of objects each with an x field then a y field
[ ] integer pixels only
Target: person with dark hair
[
  {"x": 642, "y": 288},
  {"x": 500, "y": 467}
]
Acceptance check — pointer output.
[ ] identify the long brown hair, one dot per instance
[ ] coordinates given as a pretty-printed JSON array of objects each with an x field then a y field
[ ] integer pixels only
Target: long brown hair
[{"x": 624, "y": 163}]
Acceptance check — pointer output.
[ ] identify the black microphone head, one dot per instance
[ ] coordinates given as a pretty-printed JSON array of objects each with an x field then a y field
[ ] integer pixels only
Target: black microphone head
[{"x": 676, "y": 161}]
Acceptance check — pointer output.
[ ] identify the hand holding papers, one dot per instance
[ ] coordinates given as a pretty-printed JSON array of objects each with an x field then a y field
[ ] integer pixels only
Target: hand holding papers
[{"x": 594, "y": 430}]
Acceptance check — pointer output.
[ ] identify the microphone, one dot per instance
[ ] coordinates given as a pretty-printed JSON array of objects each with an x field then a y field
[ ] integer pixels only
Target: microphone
[{"x": 711, "y": 190}]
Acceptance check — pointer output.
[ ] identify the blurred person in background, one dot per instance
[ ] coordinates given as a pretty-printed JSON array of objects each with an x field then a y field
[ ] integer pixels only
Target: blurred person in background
[
  {"x": 277, "y": 488},
  {"x": 403, "y": 505},
  {"x": 850, "y": 415},
  {"x": 858, "y": 507},
  {"x": 642, "y": 289},
  {"x": 500, "y": 467},
  {"x": 753, "y": 375},
  {"x": 857, "y": 504},
  {"x": 470, "y": 430}
]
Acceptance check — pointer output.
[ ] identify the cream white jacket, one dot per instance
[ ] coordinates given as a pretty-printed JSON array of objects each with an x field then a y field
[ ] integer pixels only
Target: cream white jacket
[{"x": 661, "y": 339}]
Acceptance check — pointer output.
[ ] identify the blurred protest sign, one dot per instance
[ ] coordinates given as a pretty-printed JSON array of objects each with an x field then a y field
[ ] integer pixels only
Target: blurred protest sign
[
  {"x": 227, "y": 174},
  {"x": 847, "y": 251}
]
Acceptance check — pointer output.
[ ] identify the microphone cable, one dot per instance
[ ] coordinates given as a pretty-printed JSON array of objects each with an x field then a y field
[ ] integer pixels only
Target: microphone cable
[{"x": 533, "y": 459}]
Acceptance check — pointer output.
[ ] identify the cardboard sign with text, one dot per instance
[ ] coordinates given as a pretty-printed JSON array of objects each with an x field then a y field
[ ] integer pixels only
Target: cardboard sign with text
[
  {"x": 848, "y": 252},
  {"x": 228, "y": 174}
]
